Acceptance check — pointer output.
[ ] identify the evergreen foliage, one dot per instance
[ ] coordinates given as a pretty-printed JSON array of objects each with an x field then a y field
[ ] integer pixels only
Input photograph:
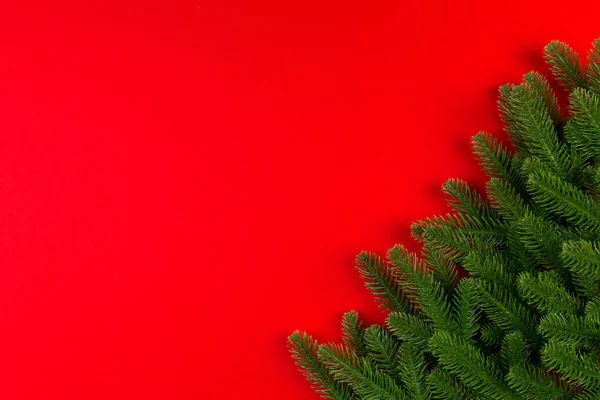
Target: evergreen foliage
[{"x": 503, "y": 301}]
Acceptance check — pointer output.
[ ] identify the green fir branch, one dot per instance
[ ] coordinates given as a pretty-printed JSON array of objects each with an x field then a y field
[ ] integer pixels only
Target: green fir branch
[
  {"x": 577, "y": 366},
  {"x": 547, "y": 292},
  {"x": 571, "y": 330},
  {"x": 420, "y": 285},
  {"x": 565, "y": 200},
  {"x": 582, "y": 258},
  {"x": 506, "y": 311},
  {"x": 367, "y": 381},
  {"x": 543, "y": 91},
  {"x": 414, "y": 372},
  {"x": 497, "y": 161},
  {"x": 383, "y": 349},
  {"x": 565, "y": 65},
  {"x": 466, "y": 310},
  {"x": 382, "y": 282},
  {"x": 353, "y": 333},
  {"x": 464, "y": 200},
  {"x": 444, "y": 269},
  {"x": 593, "y": 68},
  {"x": 447, "y": 387},
  {"x": 582, "y": 131},
  {"x": 507, "y": 201},
  {"x": 468, "y": 363},
  {"x": 410, "y": 328},
  {"x": 304, "y": 351}
]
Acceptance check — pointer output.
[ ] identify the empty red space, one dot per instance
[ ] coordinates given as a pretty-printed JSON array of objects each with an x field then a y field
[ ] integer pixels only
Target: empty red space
[{"x": 184, "y": 183}]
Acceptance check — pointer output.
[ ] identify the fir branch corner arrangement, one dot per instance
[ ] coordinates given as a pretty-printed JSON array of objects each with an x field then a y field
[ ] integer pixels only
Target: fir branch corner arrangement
[{"x": 504, "y": 300}]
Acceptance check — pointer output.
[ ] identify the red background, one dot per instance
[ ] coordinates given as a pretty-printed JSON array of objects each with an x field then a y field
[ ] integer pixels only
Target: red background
[{"x": 185, "y": 182}]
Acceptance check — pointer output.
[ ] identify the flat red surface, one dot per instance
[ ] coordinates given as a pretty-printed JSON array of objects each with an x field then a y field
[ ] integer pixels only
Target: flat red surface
[{"x": 185, "y": 182}]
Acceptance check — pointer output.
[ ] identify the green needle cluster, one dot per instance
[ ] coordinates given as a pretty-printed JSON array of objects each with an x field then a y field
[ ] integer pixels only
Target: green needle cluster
[{"x": 503, "y": 300}]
